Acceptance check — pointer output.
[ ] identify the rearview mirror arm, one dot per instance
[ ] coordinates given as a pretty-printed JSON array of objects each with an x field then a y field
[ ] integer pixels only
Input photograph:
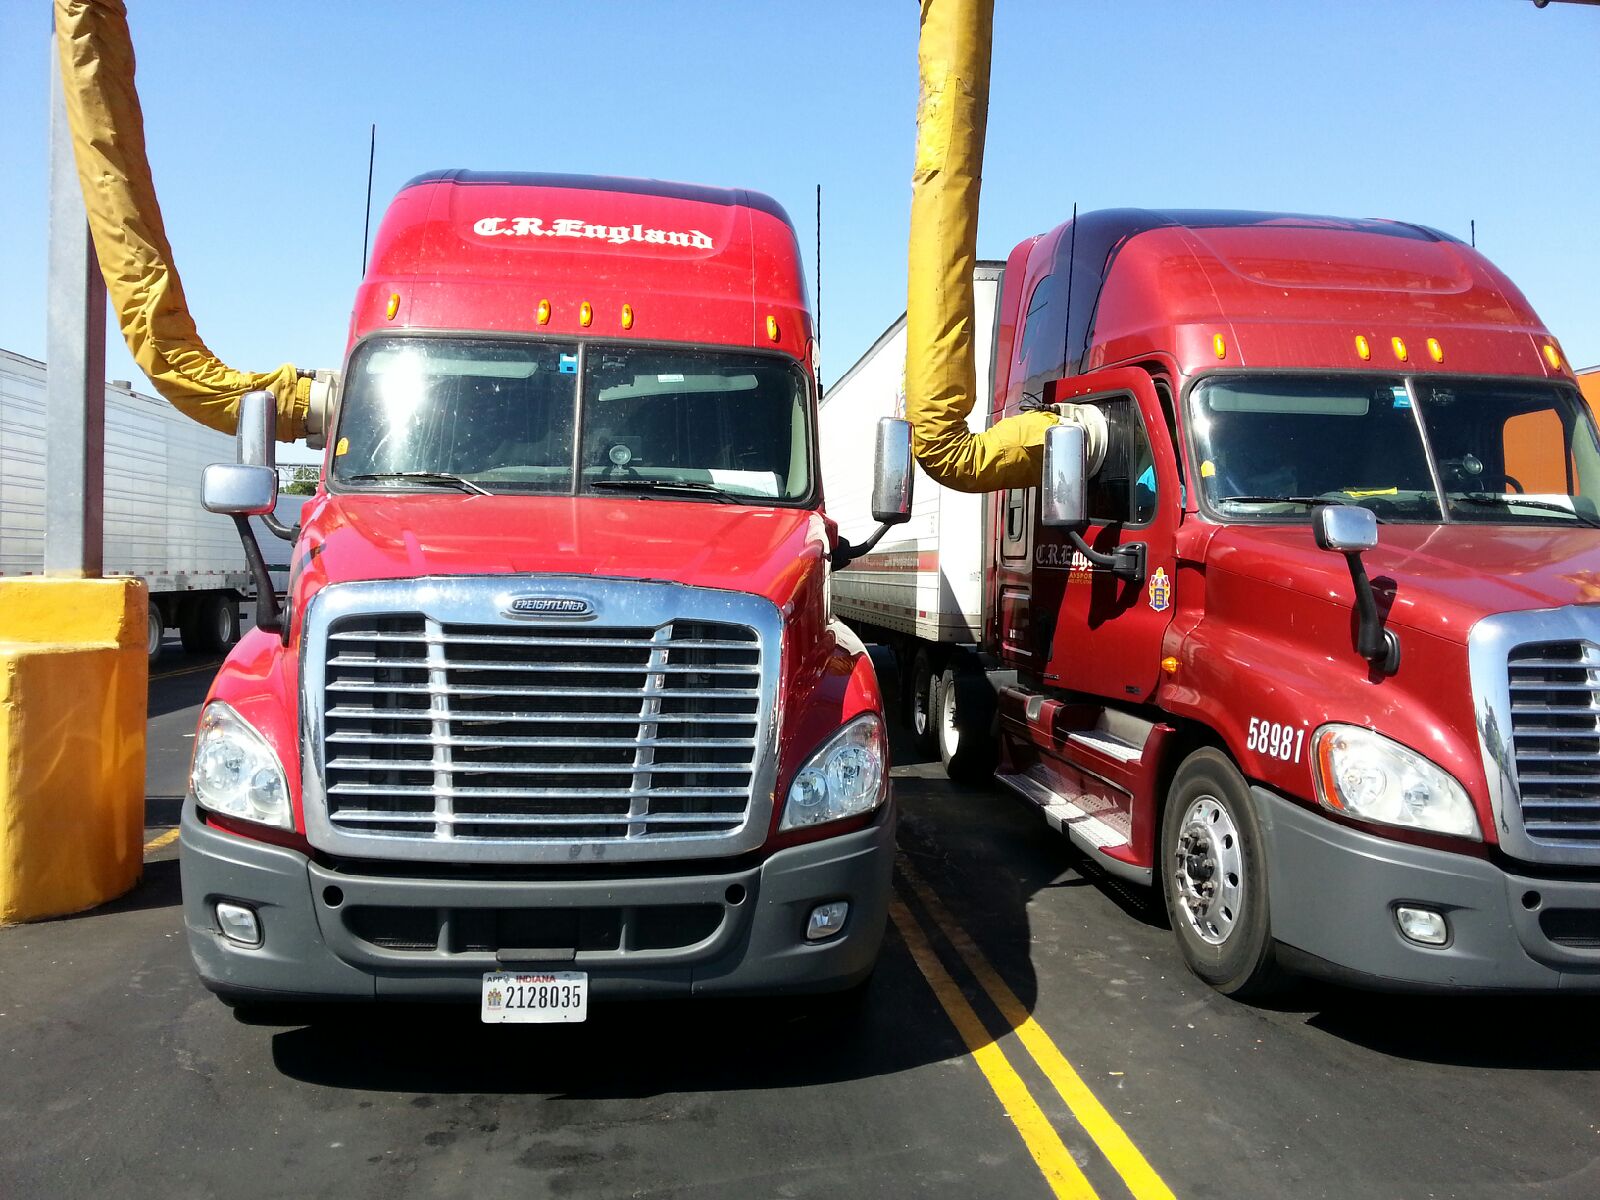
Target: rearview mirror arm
[
  {"x": 1125, "y": 562},
  {"x": 1375, "y": 642},
  {"x": 268, "y": 615},
  {"x": 845, "y": 553},
  {"x": 289, "y": 533}
]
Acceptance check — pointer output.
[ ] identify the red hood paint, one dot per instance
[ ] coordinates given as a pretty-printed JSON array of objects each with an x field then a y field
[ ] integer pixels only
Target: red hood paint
[
  {"x": 1443, "y": 577},
  {"x": 735, "y": 547}
]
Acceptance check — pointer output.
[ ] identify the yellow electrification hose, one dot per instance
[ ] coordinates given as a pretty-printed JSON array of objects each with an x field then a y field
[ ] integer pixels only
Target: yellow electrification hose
[
  {"x": 130, "y": 240},
  {"x": 941, "y": 371}
]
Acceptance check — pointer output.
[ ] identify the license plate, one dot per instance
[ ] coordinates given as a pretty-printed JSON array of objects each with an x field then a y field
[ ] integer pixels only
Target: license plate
[{"x": 543, "y": 997}]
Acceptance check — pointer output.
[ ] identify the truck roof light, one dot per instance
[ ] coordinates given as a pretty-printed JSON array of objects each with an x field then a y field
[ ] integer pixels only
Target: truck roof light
[
  {"x": 1552, "y": 356},
  {"x": 586, "y": 314},
  {"x": 1169, "y": 664},
  {"x": 392, "y": 307},
  {"x": 627, "y": 316},
  {"x": 772, "y": 328},
  {"x": 1219, "y": 345},
  {"x": 1363, "y": 347},
  {"x": 1435, "y": 351},
  {"x": 543, "y": 314},
  {"x": 1399, "y": 345}
]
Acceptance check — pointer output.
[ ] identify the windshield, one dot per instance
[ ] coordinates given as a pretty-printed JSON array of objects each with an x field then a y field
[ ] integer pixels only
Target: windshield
[
  {"x": 500, "y": 415},
  {"x": 1500, "y": 451}
]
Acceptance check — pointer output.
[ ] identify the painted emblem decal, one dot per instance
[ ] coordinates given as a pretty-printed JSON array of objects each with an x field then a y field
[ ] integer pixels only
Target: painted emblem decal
[
  {"x": 548, "y": 606},
  {"x": 1160, "y": 590}
]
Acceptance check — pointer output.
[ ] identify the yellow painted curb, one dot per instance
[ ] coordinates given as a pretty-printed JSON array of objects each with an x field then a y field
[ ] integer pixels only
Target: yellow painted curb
[{"x": 73, "y": 673}]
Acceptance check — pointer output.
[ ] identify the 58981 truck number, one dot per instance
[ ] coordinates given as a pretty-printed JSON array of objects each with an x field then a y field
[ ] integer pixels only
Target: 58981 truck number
[{"x": 1283, "y": 742}]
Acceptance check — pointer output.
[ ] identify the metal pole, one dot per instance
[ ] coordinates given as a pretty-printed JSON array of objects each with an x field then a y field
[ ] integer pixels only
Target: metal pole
[{"x": 75, "y": 372}]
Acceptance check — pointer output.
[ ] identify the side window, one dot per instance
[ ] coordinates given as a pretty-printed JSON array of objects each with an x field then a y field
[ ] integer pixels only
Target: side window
[
  {"x": 1534, "y": 453},
  {"x": 1035, "y": 320},
  {"x": 1123, "y": 491}
]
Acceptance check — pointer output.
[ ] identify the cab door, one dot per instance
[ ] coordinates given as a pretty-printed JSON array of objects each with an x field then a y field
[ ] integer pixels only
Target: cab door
[{"x": 1096, "y": 632}]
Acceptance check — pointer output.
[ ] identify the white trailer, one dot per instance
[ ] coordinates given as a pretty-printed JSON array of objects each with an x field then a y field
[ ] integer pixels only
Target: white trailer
[
  {"x": 155, "y": 527},
  {"x": 920, "y": 591}
]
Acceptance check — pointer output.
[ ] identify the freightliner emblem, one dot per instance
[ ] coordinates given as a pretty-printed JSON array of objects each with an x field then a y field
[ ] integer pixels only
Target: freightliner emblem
[{"x": 548, "y": 606}]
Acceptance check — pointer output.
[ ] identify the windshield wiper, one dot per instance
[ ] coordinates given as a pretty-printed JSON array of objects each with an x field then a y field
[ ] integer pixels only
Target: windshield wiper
[
  {"x": 1502, "y": 499},
  {"x": 1308, "y": 501},
  {"x": 709, "y": 490},
  {"x": 435, "y": 478}
]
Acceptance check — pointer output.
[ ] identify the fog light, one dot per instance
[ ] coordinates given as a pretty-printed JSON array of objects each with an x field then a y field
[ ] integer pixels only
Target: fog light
[
  {"x": 1422, "y": 925},
  {"x": 826, "y": 920},
  {"x": 238, "y": 924}
]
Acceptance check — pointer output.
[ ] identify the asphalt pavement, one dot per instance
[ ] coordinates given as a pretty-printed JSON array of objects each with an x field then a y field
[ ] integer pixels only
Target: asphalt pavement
[{"x": 1030, "y": 1032}]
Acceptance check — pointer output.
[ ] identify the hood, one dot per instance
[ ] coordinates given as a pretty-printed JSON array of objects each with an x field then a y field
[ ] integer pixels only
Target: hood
[
  {"x": 764, "y": 551},
  {"x": 1443, "y": 578}
]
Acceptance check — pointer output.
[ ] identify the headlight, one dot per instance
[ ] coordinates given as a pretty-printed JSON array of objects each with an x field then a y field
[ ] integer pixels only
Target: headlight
[
  {"x": 235, "y": 772},
  {"x": 844, "y": 778},
  {"x": 1366, "y": 775}
]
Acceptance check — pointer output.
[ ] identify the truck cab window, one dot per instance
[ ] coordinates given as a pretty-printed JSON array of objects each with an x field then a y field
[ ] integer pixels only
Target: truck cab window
[{"x": 1123, "y": 491}]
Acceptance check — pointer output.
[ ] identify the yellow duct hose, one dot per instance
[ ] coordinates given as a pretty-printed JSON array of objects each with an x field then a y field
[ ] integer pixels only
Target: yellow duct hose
[
  {"x": 129, "y": 238},
  {"x": 941, "y": 371}
]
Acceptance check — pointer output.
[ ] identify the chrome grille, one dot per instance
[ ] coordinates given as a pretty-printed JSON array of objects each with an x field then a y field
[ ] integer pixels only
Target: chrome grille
[
  {"x": 1555, "y": 731},
  {"x": 445, "y": 722}
]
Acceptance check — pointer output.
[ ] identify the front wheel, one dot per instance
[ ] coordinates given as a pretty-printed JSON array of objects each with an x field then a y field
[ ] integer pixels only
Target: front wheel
[{"x": 1214, "y": 877}]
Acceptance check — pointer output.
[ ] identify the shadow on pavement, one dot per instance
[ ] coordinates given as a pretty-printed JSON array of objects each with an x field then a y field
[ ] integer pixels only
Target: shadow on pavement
[{"x": 1533, "y": 1033}]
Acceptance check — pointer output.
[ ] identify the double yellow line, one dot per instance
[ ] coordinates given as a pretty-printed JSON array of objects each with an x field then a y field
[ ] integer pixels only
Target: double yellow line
[{"x": 1055, "y": 1161}]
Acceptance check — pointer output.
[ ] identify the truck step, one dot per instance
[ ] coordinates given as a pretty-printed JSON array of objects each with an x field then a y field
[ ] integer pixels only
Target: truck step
[{"x": 1103, "y": 842}]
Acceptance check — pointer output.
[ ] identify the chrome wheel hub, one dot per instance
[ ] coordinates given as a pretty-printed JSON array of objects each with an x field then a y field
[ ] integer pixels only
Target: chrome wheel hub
[{"x": 1208, "y": 869}]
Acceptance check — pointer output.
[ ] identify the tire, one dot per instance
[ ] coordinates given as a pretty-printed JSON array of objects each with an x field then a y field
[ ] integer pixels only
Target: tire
[
  {"x": 156, "y": 629},
  {"x": 919, "y": 706},
  {"x": 1213, "y": 873},
  {"x": 963, "y": 716},
  {"x": 211, "y": 625}
]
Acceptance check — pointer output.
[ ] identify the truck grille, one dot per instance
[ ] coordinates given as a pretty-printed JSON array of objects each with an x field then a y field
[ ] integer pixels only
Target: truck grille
[
  {"x": 1555, "y": 728},
  {"x": 551, "y": 733}
]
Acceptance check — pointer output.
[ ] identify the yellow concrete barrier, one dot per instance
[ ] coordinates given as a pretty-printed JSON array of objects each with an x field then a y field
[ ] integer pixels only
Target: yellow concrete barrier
[{"x": 73, "y": 673}]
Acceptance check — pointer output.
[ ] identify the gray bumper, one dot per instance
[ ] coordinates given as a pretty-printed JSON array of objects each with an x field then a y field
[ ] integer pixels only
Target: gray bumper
[
  {"x": 1333, "y": 891},
  {"x": 746, "y": 937}
]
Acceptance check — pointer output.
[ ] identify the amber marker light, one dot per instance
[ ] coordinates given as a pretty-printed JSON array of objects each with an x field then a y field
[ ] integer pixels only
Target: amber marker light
[
  {"x": 1363, "y": 347},
  {"x": 1219, "y": 345},
  {"x": 392, "y": 307},
  {"x": 772, "y": 328},
  {"x": 1399, "y": 345},
  {"x": 543, "y": 314},
  {"x": 1169, "y": 665},
  {"x": 1552, "y": 356},
  {"x": 627, "y": 316},
  {"x": 586, "y": 314},
  {"x": 1435, "y": 351}
]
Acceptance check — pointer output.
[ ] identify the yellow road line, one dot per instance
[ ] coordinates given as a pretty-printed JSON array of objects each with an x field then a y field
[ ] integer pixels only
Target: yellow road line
[
  {"x": 1100, "y": 1125},
  {"x": 1054, "y": 1161},
  {"x": 186, "y": 671},
  {"x": 160, "y": 840}
]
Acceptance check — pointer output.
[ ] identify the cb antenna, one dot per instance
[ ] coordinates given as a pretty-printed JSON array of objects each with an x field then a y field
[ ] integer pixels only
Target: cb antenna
[
  {"x": 1472, "y": 227},
  {"x": 819, "y": 285},
  {"x": 366, "y": 223}
]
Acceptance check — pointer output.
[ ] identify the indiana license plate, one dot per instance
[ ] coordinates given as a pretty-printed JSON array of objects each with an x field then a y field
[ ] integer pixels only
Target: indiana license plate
[{"x": 543, "y": 997}]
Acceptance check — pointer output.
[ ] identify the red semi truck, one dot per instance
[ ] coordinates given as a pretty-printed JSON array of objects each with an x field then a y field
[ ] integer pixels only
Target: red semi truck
[
  {"x": 1302, "y": 625},
  {"x": 555, "y": 706}
]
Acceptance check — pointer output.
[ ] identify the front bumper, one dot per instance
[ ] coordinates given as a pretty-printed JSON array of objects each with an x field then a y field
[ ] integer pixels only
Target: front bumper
[
  {"x": 1333, "y": 891},
  {"x": 345, "y": 934}
]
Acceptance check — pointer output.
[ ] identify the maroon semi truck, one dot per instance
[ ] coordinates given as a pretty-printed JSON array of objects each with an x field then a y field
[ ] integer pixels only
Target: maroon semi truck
[{"x": 1303, "y": 624}]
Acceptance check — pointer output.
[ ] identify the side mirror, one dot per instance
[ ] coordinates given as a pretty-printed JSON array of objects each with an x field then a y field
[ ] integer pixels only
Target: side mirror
[
  {"x": 258, "y": 426},
  {"x": 1063, "y": 489},
  {"x": 239, "y": 489},
  {"x": 1345, "y": 528},
  {"x": 891, "y": 472}
]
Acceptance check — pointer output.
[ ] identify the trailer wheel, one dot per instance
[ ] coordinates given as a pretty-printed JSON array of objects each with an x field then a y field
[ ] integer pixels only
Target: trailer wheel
[
  {"x": 963, "y": 713},
  {"x": 211, "y": 625},
  {"x": 1214, "y": 878},
  {"x": 919, "y": 706},
  {"x": 155, "y": 629}
]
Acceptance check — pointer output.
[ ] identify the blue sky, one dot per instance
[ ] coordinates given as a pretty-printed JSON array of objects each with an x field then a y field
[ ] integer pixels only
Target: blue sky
[{"x": 1435, "y": 111}]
